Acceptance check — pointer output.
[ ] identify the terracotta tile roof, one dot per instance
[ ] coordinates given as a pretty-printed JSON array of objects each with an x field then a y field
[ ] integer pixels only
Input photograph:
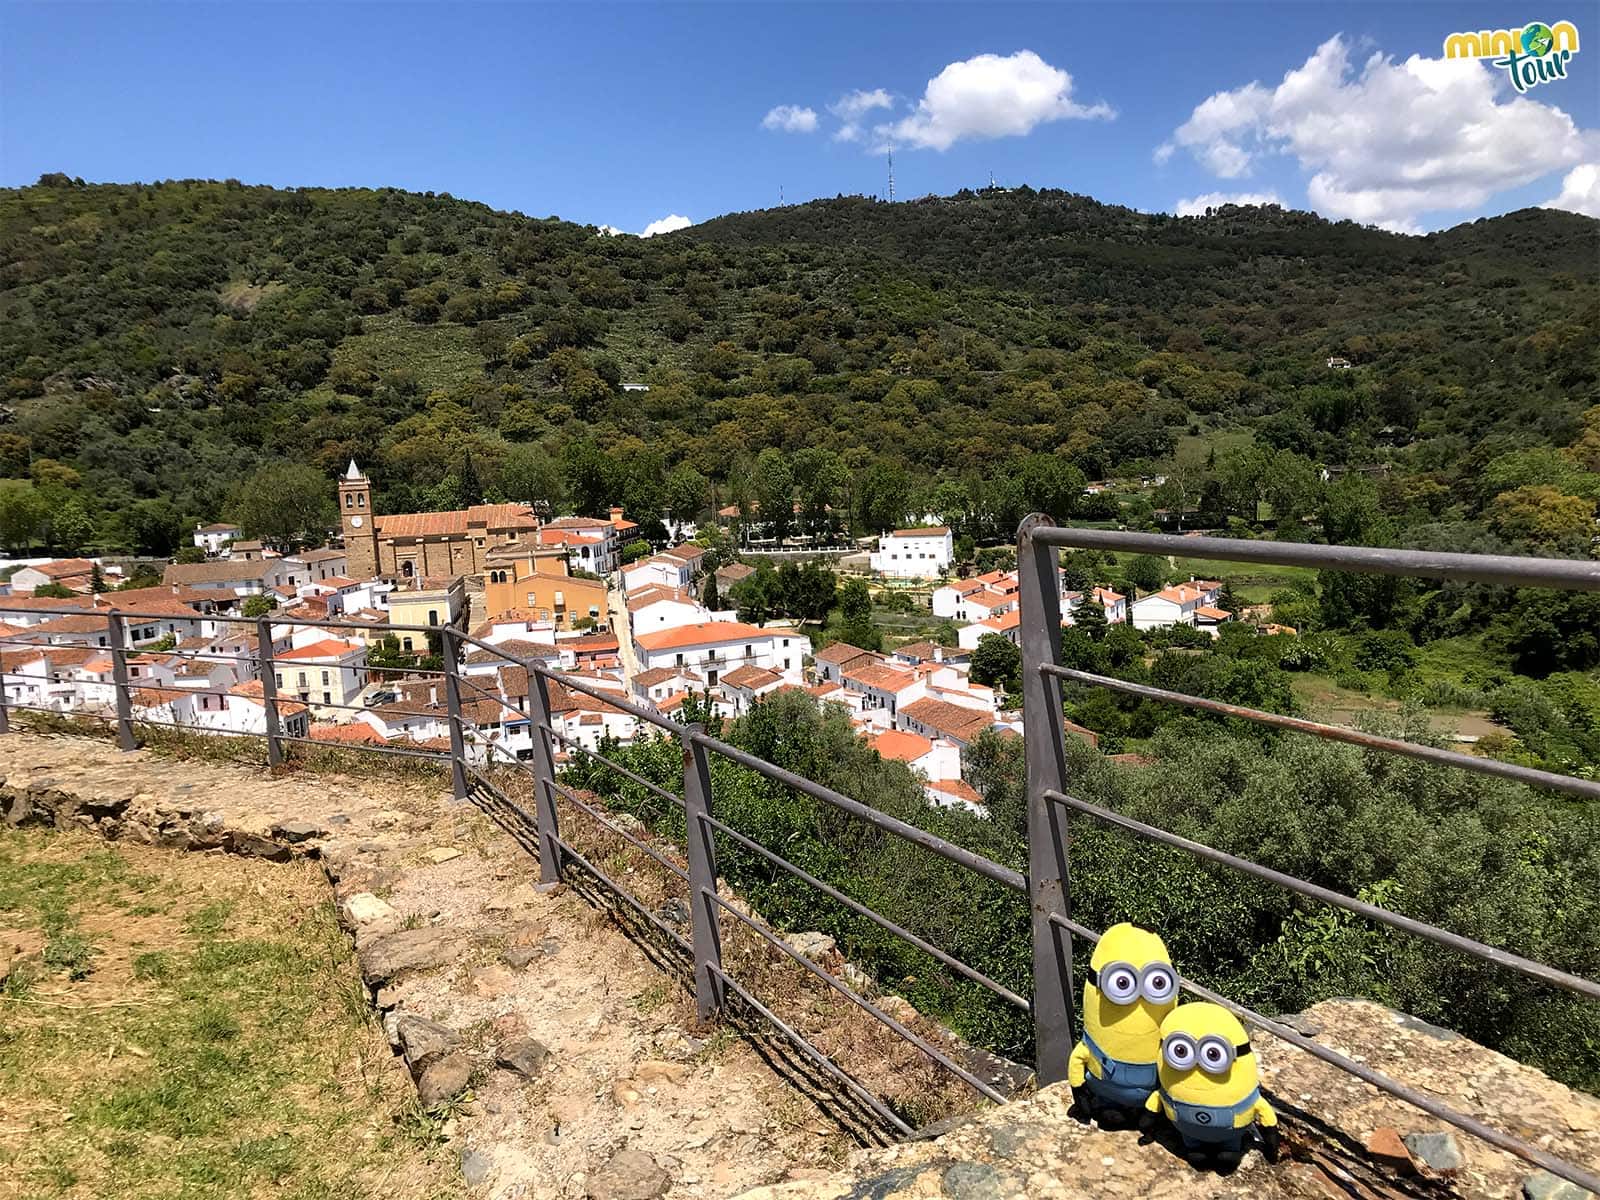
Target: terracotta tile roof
[
  {"x": 927, "y": 531},
  {"x": 881, "y": 676},
  {"x": 569, "y": 537},
  {"x": 250, "y": 690},
  {"x": 513, "y": 649},
  {"x": 657, "y": 593},
  {"x": 458, "y": 523},
  {"x": 226, "y": 571},
  {"x": 319, "y": 556},
  {"x": 820, "y": 690},
  {"x": 657, "y": 675},
  {"x": 751, "y": 678},
  {"x": 1215, "y": 614},
  {"x": 217, "y": 527},
  {"x": 688, "y": 552},
  {"x": 355, "y": 733},
  {"x": 960, "y": 789},
  {"x": 63, "y": 568},
  {"x": 704, "y": 633},
  {"x": 141, "y": 597},
  {"x": 579, "y": 523},
  {"x": 69, "y": 624},
  {"x": 591, "y": 643},
  {"x": 901, "y": 745},
  {"x": 921, "y": 651},
  {"x": 326, "y": 648},
  {"x": 51, "y": 603},
  {"x": 842, "y": 653},
  {"x": 950, "y": 720},
  {"x": 734, "y": 571},
  {"x": 987, "y": 599}
]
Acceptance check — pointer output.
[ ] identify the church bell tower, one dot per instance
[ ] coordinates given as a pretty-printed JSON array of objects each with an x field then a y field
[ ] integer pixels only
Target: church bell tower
[{"x": 356, "y": 519}]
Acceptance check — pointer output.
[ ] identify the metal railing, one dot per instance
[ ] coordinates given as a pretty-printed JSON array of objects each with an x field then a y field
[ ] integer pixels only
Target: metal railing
[
  {"x": 1050, "y": 801},
  {"x": 478, "y": 753}
]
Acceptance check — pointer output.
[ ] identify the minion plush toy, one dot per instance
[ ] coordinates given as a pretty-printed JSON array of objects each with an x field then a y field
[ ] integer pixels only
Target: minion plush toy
[
  {"x": 1209, "y": 1083},
  {"x": 1130, "y": 988}
]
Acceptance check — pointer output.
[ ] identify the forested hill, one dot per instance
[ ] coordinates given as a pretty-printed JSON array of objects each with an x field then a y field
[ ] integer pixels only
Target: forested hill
[{"x": 976, "y": 355}]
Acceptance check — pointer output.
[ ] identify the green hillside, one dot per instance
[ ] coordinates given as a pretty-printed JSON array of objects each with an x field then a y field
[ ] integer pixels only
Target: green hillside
[{"x": 976, "y": 355}]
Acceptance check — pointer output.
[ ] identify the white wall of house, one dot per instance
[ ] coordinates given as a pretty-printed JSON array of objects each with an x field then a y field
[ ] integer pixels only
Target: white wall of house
[{"x": 913, "y": 554}]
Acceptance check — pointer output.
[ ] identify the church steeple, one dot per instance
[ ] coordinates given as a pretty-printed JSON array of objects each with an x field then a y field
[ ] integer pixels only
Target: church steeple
[{"x": 356, "y": 519}]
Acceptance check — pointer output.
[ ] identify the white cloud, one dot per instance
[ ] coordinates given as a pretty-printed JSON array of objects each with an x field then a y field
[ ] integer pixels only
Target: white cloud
[
  {"x": 1196, "y": 206},
  {"x": 666, "y": 225},
  {"x": 989, "y": 97},
  {"x": 852, "y": 106},
  {"x": 790, "y": 118},
  {"x": 1580, "y": 191},
  {"x": 1387, "y": 142},
  {"x": 611, "y": 231}
]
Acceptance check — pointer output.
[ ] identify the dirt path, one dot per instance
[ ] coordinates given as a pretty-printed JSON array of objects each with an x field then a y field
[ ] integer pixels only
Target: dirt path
[{"x": 622, "y": 1081}]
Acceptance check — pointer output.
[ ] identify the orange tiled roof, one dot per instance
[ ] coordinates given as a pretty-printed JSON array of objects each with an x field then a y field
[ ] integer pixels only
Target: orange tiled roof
[
  {"x": 949, "y": 719},
  {"x": 901, "y": 745},
  {"x": 881, "y": 676},
  {"x": 751, "y": 678},
  {"x": 927, "y": 531},
  {"x": 704, "y": 633},
  {"x": 458, "y": 523},
  {"x": 326, "y": 648}
]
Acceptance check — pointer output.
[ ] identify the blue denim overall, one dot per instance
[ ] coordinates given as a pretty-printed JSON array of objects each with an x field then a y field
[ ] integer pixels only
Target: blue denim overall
[
  {"x": 1120, "y": 1084},
  {"x": 1211, "y": 1125}
]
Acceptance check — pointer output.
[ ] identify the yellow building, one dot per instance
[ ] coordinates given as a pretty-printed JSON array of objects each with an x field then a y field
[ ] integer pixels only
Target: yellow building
[
  {"x": 431, "y": 602},
  {"x": 535, "y": 582}
]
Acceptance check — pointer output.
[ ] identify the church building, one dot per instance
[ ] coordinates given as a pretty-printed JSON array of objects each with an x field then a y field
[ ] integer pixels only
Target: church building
[{"x": 414, "y": 545}]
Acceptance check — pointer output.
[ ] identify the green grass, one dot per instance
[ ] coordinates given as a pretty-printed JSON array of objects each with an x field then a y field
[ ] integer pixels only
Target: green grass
[
  {"x": 218, "y": 1046},
  {"x": 1253, "y": 583}
]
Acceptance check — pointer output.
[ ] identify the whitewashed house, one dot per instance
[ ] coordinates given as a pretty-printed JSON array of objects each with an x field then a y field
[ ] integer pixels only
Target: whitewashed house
[
  {"x": 923, "y": 553},
  {"x": 214, "y": 538},
  {"x": 324, "y": 674},
  {"x": 712, "y": 648},
  {"x": 1176, "y": 605}
]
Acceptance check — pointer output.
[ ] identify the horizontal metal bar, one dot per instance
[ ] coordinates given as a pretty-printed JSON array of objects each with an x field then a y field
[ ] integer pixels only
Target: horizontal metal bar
[
  {"x": 855, "y": 906},
  {"x": 844, "y": 989},
  {"x": 1587, "y": 788},
  {"x": 671, "y": 797},
  {"x": 276, "y": 617},
  {"x": 1453, "y": 941},
  {"x": 622, "y": 893},
  {"x": 661, "y": 859},
  {"x": 811, "y": 1052},
  {"x": 919, "y": 837},
  {"x": 1420, "y": 1100},
  {"x": 462, "y": 681},
  {"x": 1511, "y": 570}
]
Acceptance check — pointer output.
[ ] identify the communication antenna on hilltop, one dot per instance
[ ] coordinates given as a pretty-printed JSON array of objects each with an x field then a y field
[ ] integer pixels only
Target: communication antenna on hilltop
[
  {"x": 991, "y": 180},
  {"x": 780, "y": 195},
  {"x": 891, "y": 174}
]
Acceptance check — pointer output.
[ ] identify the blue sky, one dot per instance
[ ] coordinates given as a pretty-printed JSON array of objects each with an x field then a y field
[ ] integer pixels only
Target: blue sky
[{"x": 623, "y": 114}]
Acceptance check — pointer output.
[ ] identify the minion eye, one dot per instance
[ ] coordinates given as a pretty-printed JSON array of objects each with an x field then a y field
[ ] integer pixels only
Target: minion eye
[
  {"x": 1157, "y": 983},
  {"x": 1120, "y": 983},
  {"x": 1216, "y": 1055},
  {"x": 1179, "y": 1051}
]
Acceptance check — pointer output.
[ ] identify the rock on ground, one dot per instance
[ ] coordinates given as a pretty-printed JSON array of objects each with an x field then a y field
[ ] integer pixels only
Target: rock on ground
[{"x": 629, "y": 1175}]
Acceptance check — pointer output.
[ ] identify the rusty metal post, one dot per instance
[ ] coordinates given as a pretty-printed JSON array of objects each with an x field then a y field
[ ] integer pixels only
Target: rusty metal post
[
  {"x": 269, "y": 691},
  {"x": 544, "y": 777},
  {"x": 120, "y": 682},
  {"x": 1048, "y": 885},
  {"x": 700, "y": 843},
  {"x": 451, "y": 654}
]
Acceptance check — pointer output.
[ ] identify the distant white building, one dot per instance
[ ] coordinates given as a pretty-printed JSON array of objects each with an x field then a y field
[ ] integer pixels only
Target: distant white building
[
  {"x": 923, "y": 553},
  {"x": 324, "y": 674},
  {"x": 1192, "y": 603},
  {"x": 713, "y": 648},
  {"x": 214, "y": 538}
]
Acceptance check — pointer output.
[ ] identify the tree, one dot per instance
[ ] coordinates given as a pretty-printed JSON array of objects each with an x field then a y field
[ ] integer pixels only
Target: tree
[
  {"x": 996, "y": 661},
  {"x": 22, "y": 514},
  {"x": 97, "y": 580},
  {"x": 1051, "y": 485},
  {"x": 1090, "y": 618},
  {"x": 1292, "y": 486},
  {"x": 772, "y": 487},
  {"x": 819, "y": 479},
  {"x": 1145, "y": 573},
  {"x": 190, "y": 554},
  {"x": 530, "y": 476},
  {"x": 688, "y": 494},
  {"x": 1543, "y": 516},
  {"x": 71, "y": 528},
  {"x": 946, "y": 634},
  {"x": 54, "y": 591},
  {"x": 282, "y": 503},
  {"x": 258, "y": 605},
  {"x": 155, "y": 527},
  {"x": 855, "y": 601},
  {"x": 883, "y": 496},
  {"x": 709, "y": 595}
]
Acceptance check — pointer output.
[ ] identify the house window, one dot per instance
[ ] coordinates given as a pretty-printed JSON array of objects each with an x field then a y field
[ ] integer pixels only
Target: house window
[
  {"x": 349, "y": 500},
  {"x": 405, "y": 643},
  {"x": 277, "y": 677},
  {"x": 531, "y": 600},
  {"x": 433, "y": 616},
  {"x": 327, "y": 698},
  {"x": 324, "y": 679},
  {"x": 303, "y": 679},
  {"x": 680, "y": 660},
  {"x": 408, "y": 568}
]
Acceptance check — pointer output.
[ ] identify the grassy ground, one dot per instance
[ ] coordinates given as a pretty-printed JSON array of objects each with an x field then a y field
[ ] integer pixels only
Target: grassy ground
[
  {"x": 191, "y": 1026},
  {"x": 1253, "y": 583}
]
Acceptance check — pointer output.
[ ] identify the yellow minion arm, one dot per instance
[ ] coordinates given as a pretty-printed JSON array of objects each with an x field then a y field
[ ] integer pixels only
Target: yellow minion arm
[
  {"x": 1152, "y": 1102},
  {"x": 1263, "y": 1114},
  {"x": 1077, "y": 1065}
]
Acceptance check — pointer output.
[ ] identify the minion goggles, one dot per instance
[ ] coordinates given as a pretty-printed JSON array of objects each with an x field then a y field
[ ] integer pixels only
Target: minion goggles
[
  {"x": 1212, "y": 1054},
  {"x": 1123, "y": 983}
]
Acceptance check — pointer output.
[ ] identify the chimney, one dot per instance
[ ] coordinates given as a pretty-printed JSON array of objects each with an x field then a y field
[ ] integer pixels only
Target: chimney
[{"x": 616, "y": 513}]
